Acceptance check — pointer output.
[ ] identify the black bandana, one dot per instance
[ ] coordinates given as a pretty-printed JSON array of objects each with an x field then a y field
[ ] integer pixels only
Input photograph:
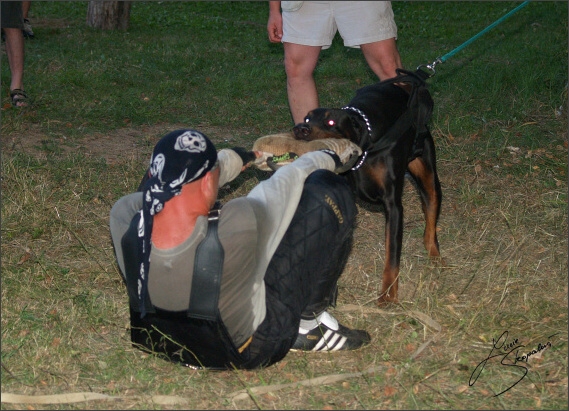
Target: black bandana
[{"x": 180, "y": 157}]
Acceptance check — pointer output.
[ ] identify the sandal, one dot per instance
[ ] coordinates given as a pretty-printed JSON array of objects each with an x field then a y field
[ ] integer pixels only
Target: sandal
[
  {"x": 27, "y": 30},
  {"x": 19, "y": 98}
]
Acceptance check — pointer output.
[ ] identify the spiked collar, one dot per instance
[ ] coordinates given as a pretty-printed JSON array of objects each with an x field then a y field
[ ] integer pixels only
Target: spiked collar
[
  {"x": 368, "y": 125},
  {"x": 362, "y": 115}
]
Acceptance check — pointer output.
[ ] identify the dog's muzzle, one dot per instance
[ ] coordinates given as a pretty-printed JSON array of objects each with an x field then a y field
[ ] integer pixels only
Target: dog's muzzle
[{"x": 301, "y": 131}]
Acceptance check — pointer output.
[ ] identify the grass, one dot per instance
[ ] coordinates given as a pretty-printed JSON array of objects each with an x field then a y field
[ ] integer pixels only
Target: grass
[{"x": 100, "y": 100}]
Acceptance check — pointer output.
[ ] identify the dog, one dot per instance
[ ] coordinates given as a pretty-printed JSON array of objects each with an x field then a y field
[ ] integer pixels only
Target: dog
[{"x": 388, "y": 121}]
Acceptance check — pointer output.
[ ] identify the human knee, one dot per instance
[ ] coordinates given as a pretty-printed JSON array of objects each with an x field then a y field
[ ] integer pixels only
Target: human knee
[
  {"x": 294, "y": 70},
  {"x": 383, "y": 58},
  {"x": 300, "y": 61}
]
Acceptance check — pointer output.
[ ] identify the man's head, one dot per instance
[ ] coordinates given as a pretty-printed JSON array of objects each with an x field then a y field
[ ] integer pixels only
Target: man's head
[{"x": 180, "y": 157}]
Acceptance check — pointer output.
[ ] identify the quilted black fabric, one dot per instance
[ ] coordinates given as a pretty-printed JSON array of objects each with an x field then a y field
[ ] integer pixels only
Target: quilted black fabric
[{"x": 301, "y": 280}]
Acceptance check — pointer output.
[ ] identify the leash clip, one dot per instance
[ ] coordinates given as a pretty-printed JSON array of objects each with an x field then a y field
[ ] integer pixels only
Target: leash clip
[{"x": 431, "y": 67}]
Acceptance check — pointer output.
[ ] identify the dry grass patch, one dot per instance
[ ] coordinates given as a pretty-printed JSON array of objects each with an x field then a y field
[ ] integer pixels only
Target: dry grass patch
[{"x": 503, "y": 240}]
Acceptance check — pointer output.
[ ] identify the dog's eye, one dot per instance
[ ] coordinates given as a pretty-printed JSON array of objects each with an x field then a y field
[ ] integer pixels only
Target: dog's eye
[{"x": 331, "y": 123}]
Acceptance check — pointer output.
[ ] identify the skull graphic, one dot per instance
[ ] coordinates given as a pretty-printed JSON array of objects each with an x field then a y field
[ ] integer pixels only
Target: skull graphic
[
  {"x": 191, "y": 141},
  {"x": 157, "y": 166}
]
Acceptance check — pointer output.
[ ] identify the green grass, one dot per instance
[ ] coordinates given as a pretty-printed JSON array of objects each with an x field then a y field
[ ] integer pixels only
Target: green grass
[{"x": 100, "y": 100}]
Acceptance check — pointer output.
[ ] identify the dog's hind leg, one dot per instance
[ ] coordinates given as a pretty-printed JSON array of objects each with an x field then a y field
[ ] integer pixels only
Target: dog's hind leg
[{"x": 424, "y": 174}]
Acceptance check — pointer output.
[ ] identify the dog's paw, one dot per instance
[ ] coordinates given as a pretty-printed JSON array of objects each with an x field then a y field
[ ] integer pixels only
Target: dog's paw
[
  {"x": 385, "y": 300},
  {"x": 438, "y": 261}
]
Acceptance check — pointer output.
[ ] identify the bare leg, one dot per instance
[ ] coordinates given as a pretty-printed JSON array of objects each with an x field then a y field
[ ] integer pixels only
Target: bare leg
[
  {"x": 300, "y": 62},
  {"x": 26, "y": 8},
  {"x": 382, "y": 57},
  {"x": 15, "y": 52}
]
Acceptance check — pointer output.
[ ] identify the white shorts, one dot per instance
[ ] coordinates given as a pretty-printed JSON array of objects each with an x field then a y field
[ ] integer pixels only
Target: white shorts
[{"x": 315, "y": 23}]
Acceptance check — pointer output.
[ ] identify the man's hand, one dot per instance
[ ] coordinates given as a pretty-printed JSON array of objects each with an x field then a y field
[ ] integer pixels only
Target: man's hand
[
  {"x": 335, "y": 156},
  {"x": 275, "y": 23},
  {"x": 247, "y": 156},
  {"x": 342, "y": 166}
]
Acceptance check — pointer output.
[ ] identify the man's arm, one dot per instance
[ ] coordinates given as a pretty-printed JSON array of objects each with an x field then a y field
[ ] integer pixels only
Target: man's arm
[
  {"x": 275, "y": 200},
  {"x": 121, "y": 215}
]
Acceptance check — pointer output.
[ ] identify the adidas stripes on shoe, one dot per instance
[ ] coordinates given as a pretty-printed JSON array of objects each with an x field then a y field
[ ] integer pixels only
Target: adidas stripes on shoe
[{"x": 329, "y": 335}]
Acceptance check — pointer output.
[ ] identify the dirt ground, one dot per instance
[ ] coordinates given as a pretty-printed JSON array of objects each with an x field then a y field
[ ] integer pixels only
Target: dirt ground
[
  {"x": 501, "y": 237},
  {"x": 111, "y": 147}
]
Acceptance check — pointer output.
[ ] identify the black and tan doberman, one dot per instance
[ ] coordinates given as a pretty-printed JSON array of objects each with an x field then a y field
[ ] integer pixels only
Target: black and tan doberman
[{"x": 388, "y": 120}]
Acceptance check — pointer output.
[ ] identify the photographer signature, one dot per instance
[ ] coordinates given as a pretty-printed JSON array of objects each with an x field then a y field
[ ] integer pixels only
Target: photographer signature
[{"x": 505, "y": 350}]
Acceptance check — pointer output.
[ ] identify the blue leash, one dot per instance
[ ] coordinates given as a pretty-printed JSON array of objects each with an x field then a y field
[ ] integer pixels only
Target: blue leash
[{"x": 444, "y": 58}]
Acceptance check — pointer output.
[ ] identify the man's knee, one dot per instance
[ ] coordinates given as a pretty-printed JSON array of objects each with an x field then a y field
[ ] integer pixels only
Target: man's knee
[
  {"x": 382, "y": 57},
  {"x": 300, "y": 61}
]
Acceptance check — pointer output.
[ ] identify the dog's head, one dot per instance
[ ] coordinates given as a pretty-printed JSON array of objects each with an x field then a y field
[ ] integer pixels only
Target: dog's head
[{"x": 323, "y": 123}]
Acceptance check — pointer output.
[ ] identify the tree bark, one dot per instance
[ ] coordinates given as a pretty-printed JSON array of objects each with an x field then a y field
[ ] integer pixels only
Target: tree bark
[{"x": 108, "y": 15}]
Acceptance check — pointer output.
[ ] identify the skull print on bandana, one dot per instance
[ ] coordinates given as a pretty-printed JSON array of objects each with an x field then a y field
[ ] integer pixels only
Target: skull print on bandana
[{"x": 191, "y": 141}]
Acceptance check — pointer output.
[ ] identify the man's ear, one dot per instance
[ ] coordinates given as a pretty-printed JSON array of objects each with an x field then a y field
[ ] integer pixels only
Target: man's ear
[{"x": 208, "y": 185}]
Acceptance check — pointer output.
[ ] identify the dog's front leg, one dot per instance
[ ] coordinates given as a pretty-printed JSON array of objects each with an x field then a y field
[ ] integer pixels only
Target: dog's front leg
[{"x": 393, "y": 244}]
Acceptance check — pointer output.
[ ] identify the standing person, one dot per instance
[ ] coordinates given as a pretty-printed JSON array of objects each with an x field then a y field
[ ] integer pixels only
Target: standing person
[
  {"x": 28, "y": 31},
  {"x": 12, "y": 25},
  {"x": 245, "y": 293},
  {"x": 306, "y": 27}
]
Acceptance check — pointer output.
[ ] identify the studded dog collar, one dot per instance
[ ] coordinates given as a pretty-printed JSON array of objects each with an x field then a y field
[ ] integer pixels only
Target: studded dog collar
[{"x": 368, "y": 125}]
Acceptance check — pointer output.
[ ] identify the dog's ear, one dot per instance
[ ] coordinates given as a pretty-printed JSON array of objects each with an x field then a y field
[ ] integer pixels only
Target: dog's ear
[
  {"x": 351, "y": 128},
  {"x": 356, "y": 124}
]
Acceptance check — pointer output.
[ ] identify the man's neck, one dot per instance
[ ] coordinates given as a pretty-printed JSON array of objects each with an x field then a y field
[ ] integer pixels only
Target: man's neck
[{"x": 176, "y": 222}]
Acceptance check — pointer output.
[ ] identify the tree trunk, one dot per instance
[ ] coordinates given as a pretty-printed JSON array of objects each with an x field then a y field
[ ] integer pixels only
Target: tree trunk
[{"x": 108, "y": 15}]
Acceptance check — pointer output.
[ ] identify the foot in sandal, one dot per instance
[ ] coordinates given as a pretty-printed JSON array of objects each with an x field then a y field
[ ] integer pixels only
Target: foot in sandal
[{"x": 19, "y": 98}]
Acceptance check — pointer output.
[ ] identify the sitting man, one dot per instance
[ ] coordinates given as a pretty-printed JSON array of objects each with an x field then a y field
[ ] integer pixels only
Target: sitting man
[{"x": 240, "y": 286}]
